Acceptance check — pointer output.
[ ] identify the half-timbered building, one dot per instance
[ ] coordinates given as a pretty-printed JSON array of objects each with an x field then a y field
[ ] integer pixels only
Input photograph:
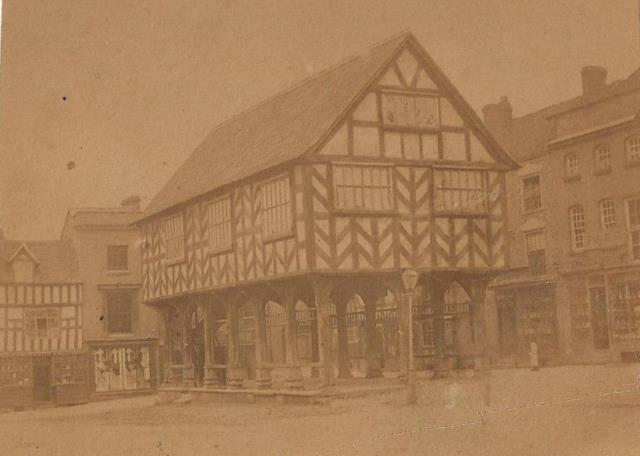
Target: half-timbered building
[
  {"x": 41, "y": 330},
  {"x": 286, "y": 231}
]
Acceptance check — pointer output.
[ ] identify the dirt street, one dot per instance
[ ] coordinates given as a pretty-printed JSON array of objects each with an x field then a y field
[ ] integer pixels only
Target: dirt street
[{"x": 557, "y": 411}]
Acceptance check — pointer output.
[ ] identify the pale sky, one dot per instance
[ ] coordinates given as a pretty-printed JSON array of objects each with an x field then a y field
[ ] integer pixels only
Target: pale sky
[{"x": 127, "y": 89}]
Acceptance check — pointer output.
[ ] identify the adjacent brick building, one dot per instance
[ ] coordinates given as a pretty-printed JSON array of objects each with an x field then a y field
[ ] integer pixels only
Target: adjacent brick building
[{"x": 574, "y": 217}]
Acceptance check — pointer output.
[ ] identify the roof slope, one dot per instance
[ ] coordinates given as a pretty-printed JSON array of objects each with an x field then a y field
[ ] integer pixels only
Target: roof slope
[
  {"x": 278, "y": 130},
  {"x": 528, "y": 136},
  {"x": 290, "y": 124},
  {"x": 57, "y": 261}
]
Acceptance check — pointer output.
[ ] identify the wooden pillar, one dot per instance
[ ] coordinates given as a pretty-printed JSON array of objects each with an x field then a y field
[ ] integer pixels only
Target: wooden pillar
[
  {"x": 437, "y": 290},
  {"x": 322, "y": 298},
  {"x": 373, "y": 366},
  {"x": 210, "y": 378},
  {"x": 188, "y": 371},
  {"x": 344, "y": 364},
  {"x": 235, "y": 372},
  {"x": 263, "y": 373},
  {"x": 293, "y": 378},
  {"x": 477, "y": 292},
  {"x": 402, "y": 309}
]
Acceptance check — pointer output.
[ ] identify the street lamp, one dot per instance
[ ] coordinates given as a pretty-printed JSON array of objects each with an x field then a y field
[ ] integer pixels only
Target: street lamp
[{"x": 410, "y": 281}]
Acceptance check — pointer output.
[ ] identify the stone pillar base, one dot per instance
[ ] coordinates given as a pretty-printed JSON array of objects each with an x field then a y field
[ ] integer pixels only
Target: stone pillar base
[
  {"x": 263, "y": 378},
  {"x": 210, "y": 377},
  {"x": 374, "y": 369},
  {"x": 293, "y": 378},
  {"x": 188, "y": 376},
  {"x": 235, "y": 376}
]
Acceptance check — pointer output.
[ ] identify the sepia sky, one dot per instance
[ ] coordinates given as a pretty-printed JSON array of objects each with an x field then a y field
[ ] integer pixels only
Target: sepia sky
[{"x": 126, "y": 89}]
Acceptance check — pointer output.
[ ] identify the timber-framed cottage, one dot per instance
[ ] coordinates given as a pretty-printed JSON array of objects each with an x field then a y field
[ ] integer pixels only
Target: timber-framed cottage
[{"x": 276, "y": 250}]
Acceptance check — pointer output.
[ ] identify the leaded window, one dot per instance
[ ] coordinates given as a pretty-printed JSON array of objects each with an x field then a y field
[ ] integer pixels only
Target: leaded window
[
  {"x": 276, "y": 207},
  {"x": 460, "y": 191},
  {"x": 219, "y": 228},
  {"x": 362, "y": 187},
  {"x": 174, "y": 237}
]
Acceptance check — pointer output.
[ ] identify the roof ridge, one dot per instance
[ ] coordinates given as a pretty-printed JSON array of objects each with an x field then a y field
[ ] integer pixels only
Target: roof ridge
[{"x": 405, "y": 34}]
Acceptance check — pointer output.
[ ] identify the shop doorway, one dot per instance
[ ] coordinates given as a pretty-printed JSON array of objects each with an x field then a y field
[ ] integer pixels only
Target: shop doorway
[
  {"x": 599, "y": 318},
  {"x": 42, "y": 379}
]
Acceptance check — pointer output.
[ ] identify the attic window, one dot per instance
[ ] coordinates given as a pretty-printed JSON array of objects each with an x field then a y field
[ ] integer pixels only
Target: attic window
[{"x": 413, "y": 111}]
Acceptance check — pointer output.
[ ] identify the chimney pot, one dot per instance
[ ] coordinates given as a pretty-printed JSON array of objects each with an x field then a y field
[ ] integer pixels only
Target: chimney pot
[
  {"x": 498, "y": 116},
  {"x": 594, "y": 79}
]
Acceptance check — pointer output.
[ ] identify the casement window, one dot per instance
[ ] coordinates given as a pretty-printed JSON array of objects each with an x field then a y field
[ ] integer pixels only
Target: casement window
[
  {"x": 576, "y": 216},
  {"x": 602, "y": 157},
  {"x": 531, "y": 199},
  {"x": 535, "y": 244},
  {"x": 460, "y": 191},
  {"x": 572, "y": 163},
  {"x": 632, "y": 148},
  {"x": 362, "y": 187},
  {"x": 608, "y": 214},
  {"x": 173, "y": 232},
  {"x": 42, "y": 323},
  {"x": 276, "y": 207},
  {"x": 119, "y": 311},
  {"x": 117, "y": 257},
  {"x": 633, "y": 208},
  {"x": 411, "y": 111},
  {"x": 219, "y": 224}
]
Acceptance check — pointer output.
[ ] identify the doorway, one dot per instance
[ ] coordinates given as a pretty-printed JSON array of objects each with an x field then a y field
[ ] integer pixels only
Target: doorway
[
  {"x": 42, "y": 378},
  {"x": 599, "y": 317}
]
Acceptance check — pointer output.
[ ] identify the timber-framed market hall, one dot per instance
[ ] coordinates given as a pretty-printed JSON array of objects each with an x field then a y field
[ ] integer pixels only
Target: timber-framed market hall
[{"x": 276, "y": 251}]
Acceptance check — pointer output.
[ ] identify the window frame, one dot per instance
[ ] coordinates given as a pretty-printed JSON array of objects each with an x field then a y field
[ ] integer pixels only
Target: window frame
[
  {"x": 336, "y": 186},
  {"x": 130, "y": 294},
  {"x": 182, "y": 255},
  {"x": 539, "y": 251},
  {"x": 110, "y": 255},
  {"x": 466, "y": 212},
  {"x": 628, "y": 147},
  {"x": 600, "y": 167},
  {"x": 216, "y": 249},
  {"x": 283, "y": 232},
  {"x": 573, "y": 228},
  {"x": 633, "y": 229},
  {"x": 523, "y": 199},
  {"x": 572, "y": 172},
  {"x": 612, "y": 223}
]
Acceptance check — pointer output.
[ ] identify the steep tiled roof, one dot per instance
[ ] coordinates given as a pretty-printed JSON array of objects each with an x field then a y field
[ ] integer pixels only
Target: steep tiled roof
[
  {"x": 57, "y": 261},
  {"x": 528, "y": 136},
  {"x": 287, "y": 126}
]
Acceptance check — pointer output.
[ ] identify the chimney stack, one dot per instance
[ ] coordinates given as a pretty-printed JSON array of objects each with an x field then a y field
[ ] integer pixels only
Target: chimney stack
[
  {"x": 132, "y": 203},
  {"x": 594, "y": 79},
  {"x": 498, "y": 116}
]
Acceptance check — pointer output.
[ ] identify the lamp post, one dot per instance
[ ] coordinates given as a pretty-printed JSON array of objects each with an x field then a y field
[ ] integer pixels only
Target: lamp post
[{"x": 410, "y": 281}]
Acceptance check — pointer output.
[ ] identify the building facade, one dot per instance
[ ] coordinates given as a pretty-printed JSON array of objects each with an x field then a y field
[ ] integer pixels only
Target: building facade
[
  {"x": 41, "y": 325},
  {"x": 574, "y": 212},
  {"x": 119, "y": 332},
  {"x": 276, "y": 250}
]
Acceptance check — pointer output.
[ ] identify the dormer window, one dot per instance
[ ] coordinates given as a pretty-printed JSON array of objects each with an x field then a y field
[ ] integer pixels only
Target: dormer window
[{"x": 23, "y": 264}]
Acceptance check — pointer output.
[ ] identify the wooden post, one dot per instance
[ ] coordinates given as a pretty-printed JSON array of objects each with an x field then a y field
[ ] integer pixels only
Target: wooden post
[
  {"x": 235, "y": 372},
  {"x": 477, "y": 290},
  {"x": 293, "y": 379},
  {"x": 403, "y": 331},
  {"x": 322, "y": 298},
  {"x": 373, "y": 367},
  {"x": 263, "y": 373},
  {"x": 344, "y": 364},
  {"x": 210, "y": 379},
  {"x": 437, "y": 291}
]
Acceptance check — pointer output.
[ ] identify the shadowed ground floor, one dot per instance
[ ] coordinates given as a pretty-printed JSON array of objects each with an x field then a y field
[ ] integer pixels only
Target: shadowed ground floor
[{"x": 568, "y": 410}]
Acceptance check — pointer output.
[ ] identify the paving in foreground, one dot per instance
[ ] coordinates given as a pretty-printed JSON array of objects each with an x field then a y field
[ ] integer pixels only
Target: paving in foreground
[{"x": 557, "y": 411}]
